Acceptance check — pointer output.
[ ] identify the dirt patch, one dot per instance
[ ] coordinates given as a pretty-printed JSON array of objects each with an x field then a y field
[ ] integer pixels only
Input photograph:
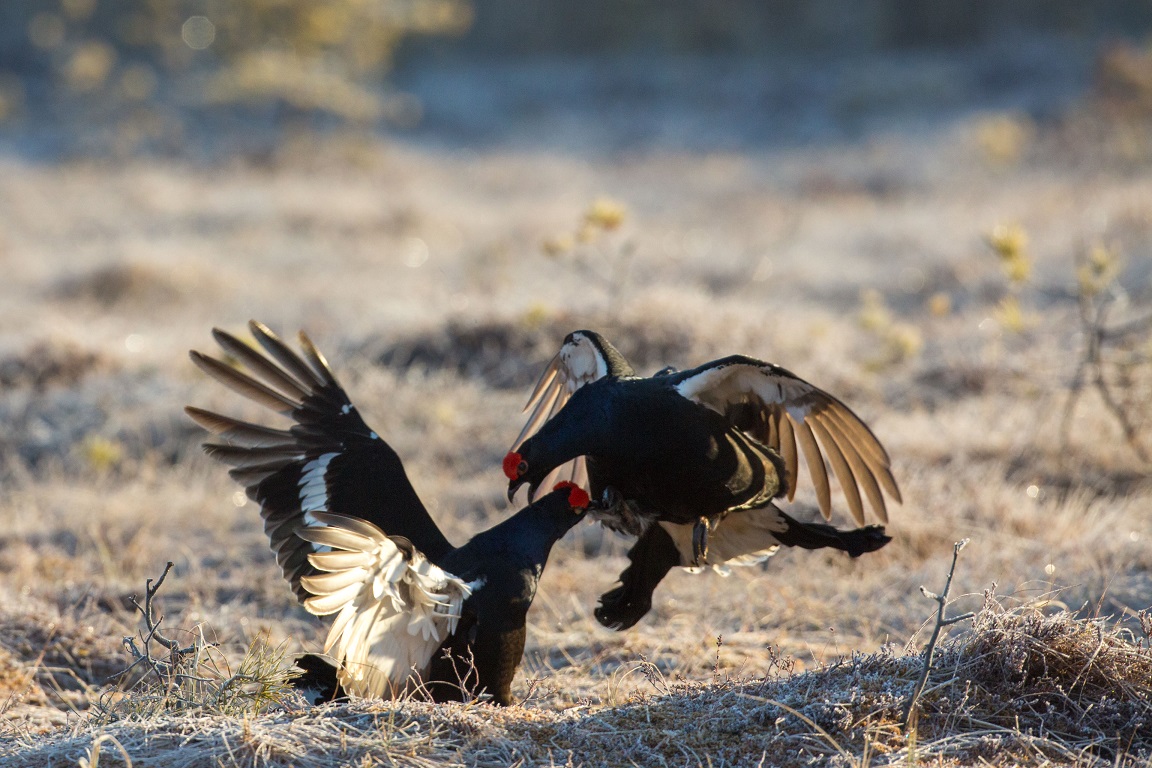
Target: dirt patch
[
  {"x": 134, "y": 284},
  {"x": 45, "y": 364},
  {"x": 511, "y": 353}
]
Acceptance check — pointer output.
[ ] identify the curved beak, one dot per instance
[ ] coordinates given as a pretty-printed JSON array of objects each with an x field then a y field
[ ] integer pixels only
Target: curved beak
[{"x": 515, "y": 486}]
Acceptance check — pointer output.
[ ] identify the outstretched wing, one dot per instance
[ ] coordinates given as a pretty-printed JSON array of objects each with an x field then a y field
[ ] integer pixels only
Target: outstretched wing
[
  {"x": 393, "y": 607},
  {"x": 585, "y": 356},
  {"x": 782, "y": 411},
  {"x": 328, "y": 460}
]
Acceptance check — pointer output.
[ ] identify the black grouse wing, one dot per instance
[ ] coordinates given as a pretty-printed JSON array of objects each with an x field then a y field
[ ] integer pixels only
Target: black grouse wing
[
  {"x": 780, "y": 409},
  {"x": 327, "y": 461}
]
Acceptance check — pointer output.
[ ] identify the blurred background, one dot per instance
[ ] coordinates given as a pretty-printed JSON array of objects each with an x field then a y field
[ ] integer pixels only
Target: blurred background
[{"x": 214, "y": 78}]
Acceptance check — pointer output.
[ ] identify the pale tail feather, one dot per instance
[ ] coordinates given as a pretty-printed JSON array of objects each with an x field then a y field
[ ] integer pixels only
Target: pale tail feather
[
  {"x": 746, "y": 537},
  {"x": 394, "y": 607}
]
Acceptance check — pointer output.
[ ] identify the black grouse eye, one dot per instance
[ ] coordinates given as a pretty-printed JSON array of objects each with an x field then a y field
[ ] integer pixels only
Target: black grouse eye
[{"x": 521, "y": 468}]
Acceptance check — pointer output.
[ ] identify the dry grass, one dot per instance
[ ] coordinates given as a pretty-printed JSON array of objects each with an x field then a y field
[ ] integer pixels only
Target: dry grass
[
  {"x": 1024, "y": 686},
  {"x": 423, "y": 277}
]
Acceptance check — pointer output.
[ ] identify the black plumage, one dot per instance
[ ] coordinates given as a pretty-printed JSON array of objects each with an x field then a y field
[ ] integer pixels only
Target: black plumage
[
  {"x": 690, "y": 461},
  {"x": 343, "y": 519}
]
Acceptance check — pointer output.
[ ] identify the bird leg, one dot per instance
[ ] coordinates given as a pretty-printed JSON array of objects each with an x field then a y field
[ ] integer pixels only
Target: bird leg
[
  {"x": 700, "y": 541},
  {"x": 653, "y": 555},
  {"x": 818, "y": 535}
]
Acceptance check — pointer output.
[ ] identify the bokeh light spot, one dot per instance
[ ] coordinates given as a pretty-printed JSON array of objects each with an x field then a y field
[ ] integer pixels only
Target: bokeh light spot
[
  {"x": 46, "y": 30},
  {"x": 198, "y": 32},
  {"x": 89, "y": 66},
  {"x": 138, "y": 83},
  {"x": 78, "y": 9},
  {"x": 415, "y": 252}
]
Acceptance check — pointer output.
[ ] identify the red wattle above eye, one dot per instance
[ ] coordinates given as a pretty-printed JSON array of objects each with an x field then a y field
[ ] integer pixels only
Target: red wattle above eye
[
  {"x": 578, "y": 498},
  {"x": 511, "y": 465}
]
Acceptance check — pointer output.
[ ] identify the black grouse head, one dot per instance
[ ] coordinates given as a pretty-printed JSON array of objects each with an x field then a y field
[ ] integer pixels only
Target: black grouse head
[
  {"x": 525, "y": 467},
  {"x": 578, "y": 499},
  {"x": 591, "y": 356},
  {"x": 554, "y": 514},
  {"x": 515, "y": 466},
  {"x": 567, "y": 400}
]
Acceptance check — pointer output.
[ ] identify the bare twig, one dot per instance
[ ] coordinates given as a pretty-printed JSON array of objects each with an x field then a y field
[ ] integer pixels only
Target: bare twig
[
  {"x": 166, "y": 671},
  {"x": 941, "y": 622},
  {"x": 153, "y": 624},
  {"x": 1094, "y": 310}
]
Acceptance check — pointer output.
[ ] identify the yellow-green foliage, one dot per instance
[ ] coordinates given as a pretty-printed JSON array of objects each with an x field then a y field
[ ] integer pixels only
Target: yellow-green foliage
[
  {"x": 1010, "y": 243},
  {"x": 102, "y": 454},
  {"x": 900, "y": 341},
  {"x": 603, "y": 215},
  {"x": 311, "y": 55},
  {"x": 595, "y": 245},
  {"x": 1011, "y": 316},
  {"x": 1098, "y": 269},
  {"x": 1004, "y": 138}
]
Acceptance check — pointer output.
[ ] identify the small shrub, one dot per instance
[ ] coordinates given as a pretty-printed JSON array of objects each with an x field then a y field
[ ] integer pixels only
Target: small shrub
[
  {"x": 310, "y": 56},
  {"x": 165, "y": 677}
]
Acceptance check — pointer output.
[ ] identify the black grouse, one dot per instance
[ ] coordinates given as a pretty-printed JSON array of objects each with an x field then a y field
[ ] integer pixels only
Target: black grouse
[
  {"x": 701, "y": 452},
  {"x": 353, "y": 539}
]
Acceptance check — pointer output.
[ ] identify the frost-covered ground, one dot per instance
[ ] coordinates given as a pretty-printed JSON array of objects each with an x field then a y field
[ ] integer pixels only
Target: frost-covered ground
[{"x": 833, "y": 220}]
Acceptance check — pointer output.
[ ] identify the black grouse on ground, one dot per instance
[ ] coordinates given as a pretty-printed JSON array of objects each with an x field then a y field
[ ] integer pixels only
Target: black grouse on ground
[
  {"x": 353, "y": 538},
  {"x": 702, "y": 453}
]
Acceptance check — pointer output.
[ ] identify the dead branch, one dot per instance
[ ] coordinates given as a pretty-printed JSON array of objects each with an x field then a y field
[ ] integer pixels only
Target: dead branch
[
  {"x": 164, "y": 670},
  {"x": 941, "y": 622},
  {"x": 1094, "y": 310}
]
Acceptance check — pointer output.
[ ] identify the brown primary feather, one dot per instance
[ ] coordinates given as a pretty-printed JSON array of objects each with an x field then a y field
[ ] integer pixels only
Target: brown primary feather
[
  {"x": 787, "y": 450},
  {"x": 842, "y": 471},
  {"x": 856, "y": 457},
  {"x": 815, "y": 467},
  {"x": 246, "y": 458},
  {"x": 323, "y": 370},
  {"x": 240, "y": 433},
  {"x": 259, "y": 364},
  {"x": 244, "y": 384},
  {"x": 284, "y": 355}
]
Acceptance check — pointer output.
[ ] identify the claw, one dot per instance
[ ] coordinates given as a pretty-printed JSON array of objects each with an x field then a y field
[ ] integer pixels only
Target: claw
[{"x": 700, "y": 542}]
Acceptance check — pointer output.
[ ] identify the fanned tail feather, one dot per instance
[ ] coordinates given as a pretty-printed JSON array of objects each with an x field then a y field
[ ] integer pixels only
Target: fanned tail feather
[{"x": 394, "y": 607}]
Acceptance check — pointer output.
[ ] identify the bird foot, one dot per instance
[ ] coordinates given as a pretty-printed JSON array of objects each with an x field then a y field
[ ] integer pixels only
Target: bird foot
[{"x": 621, "y": 610}]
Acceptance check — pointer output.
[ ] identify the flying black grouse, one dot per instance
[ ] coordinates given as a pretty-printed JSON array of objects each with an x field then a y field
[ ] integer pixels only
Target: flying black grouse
[
  {"x": 701, "y": 452},
  {"x": 353, "y": 538}
]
